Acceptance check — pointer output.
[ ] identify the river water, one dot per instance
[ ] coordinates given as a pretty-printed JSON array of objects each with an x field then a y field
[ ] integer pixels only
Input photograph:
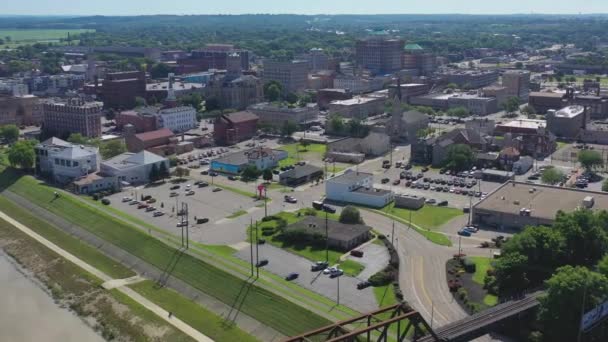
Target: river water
[{"x": 27, "y": 313}]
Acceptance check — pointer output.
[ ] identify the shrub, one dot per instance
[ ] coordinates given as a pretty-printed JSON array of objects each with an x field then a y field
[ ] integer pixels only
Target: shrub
[
  {"x": 95, "y": 197},
  {"x": 310, "y": 212},
  {"x": 269, "y": 218},
  {"x": 381, "y": 236},
  {"x": 350, "y": 215},
  {"x": 463, "y": 295},
  {"x": 384, "y": 277}
]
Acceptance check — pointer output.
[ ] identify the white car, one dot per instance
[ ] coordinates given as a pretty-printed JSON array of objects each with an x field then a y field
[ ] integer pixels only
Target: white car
[
  {"x": 158, "y": 213},
  {"x": 127, "y": 199},
  {"x": 181, "y": 224},
  {"x": 329, "y": 270}
]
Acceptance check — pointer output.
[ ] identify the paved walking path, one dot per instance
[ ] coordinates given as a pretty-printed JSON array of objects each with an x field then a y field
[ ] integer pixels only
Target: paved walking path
[
  {"x": 160, "y": 312},
  {"x": 116, "y": 283}
]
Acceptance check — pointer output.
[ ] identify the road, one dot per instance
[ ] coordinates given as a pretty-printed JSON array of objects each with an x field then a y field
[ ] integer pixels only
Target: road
[{"x": 160, "y": 312}]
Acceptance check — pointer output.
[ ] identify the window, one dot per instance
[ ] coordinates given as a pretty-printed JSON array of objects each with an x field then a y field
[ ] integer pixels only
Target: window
[
  {"x": 56, "y": 161},
  {"x": 62, "y": 162},
  {"x": 68, "y": 163},
  {"x": 75, "y": 164}
]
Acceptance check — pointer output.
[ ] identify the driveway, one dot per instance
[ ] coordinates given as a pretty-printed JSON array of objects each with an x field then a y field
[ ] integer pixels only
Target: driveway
[
  {"x": 282, "y": 263},
  {"x": 375, "y": 258}
]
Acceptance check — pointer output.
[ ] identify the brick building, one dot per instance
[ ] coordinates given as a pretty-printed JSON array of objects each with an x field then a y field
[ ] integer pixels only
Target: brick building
[
  {"x": 143, "y": 122},
  {"x": 73, "y": 116},
  {"x": 232, "y": 128},
  {"x": 20, "y": 110},
  {"x": 120, "y": 89},
  {"x": 379, "y": 55},
  {"x": 147, "y": 140}
]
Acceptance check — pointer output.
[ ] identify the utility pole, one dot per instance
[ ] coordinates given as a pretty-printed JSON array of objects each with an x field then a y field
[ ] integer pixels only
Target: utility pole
[
  {"x": 470, "y": 208},
  {"x": 257, "y": 251},
  {"x": 251, "y": 243},
  {"x": 580, "y": 328},
  {"x": 459, "y": 248},
  {"x": 338, "y": 302},
  {"x": 393, "y": 234},
  {"x": 432, "y": 313},
  {"x": 326, "y": 238},
  {"x": 265, "y": 201}
]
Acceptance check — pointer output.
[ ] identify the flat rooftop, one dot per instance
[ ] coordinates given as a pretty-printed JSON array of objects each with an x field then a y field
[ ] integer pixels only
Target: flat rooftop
[
  {"x": 350, "y": 177},
  {"x": 543, "y": 201},
  {"x": 372, "y": 192},
  {"x": 525, "y": 123},
  {"x": 570, "y": 112},
  {"x": 355, "y": 101}
]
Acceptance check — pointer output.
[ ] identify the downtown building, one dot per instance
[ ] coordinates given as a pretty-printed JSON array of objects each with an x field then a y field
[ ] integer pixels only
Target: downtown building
[
  {"x": 73, "y": 116},
  {"x": 292, "y": 75},
  {"x": 379, "y": 55}
]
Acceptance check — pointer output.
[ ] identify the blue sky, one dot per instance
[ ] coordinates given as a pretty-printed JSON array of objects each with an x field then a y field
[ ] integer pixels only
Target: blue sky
[{"x": 134, "y": 7}]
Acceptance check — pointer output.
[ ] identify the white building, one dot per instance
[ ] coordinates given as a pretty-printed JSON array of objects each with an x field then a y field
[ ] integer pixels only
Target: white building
[
  {"x": 357, "y": 187},
  {"x": 133, "y": 168},
  {"x": 359, "y": 85},
  {"x": 64, "y": 162},
  {"x": 177, "y": 119}
]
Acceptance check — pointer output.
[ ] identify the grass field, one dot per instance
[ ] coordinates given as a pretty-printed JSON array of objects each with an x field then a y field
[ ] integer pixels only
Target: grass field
[
  {"x": 268, "y": 308},
  {"x": 428, "y": 217},
  {"x": 69, "y": 243},
  {"x": 311, "y": 253},
  {"x": 490, "y": 300},
  {"x": 193, "y": 314},
  {"x": 32, "y": 36},
  {"x": 297, "y": 152},
  {"x": 385, "y": 295},
  {"x": 482, "y": 265}
]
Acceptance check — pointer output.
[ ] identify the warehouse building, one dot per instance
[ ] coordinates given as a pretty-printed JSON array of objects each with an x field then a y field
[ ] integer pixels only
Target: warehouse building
[{"x": 516, "y": 205}]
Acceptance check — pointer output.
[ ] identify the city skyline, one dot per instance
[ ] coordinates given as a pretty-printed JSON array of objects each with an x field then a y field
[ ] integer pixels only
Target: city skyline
[{"x": 114, "y": 7}]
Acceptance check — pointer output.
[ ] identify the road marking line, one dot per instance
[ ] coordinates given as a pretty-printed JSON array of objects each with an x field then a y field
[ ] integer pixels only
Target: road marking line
[{"x": 425, "y": 293}]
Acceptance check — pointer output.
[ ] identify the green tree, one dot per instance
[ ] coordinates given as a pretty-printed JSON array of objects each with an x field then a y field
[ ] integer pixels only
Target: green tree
[
  {"x": 10, "y": 133},
  {"x": 159, "y": 70},
  {"x": 561, "y": 306},
  {"x": 605, "y": 185},
  {"x": 336, "y": 123},
  {"x": 356, "y": 128},
  {"x": 22, "y": 154},
  {"x": 460, "y": 112},
  {"x": 602, "y": 265},
  {"x": 154, "y": 173},
  {"x": 181, "y": 172},
  {"x": 112, "y": 148},
  {"x": 163, "y": 171},
  {"x": 511, "y": 105},
  {"x": 267, "y": 175},
  {"x": 452, "y": 86},
  {"x": 590, "y": 159},
  {"x": 350, "y": 215},
  {"x": 552, "y": 176},
  {"x": 212, "y": 104},
  {"x": 273, "y": 93},
  {"x": 459, "y": 157},
  {"x": 291, "y": 98},
  {"x": 193, "y": 100},
  {"x": 250, "y": 173},
  {"x": 77, "y": 138},
  {"x": 585, "y": 236},
  {"x": 519, "y": 65},
  {"x": 140, "y": 102},
  {"x": 288, "y": 128},
  {"x": 511, "y": 274},
  {"x": 528, "y": 110}
]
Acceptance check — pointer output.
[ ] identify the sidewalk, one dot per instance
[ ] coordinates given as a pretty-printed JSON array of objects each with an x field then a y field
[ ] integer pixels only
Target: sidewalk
[{"x": 160, "y": 312}]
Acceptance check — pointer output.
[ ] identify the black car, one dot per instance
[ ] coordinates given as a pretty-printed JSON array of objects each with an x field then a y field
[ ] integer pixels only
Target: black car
[
  {"x": 232, "y": 178},
  {"x": 385, "y": 180},
  {"x": 363, "y": 284},
  {"x": 205, "y": 172},
  {"x": 425, "y": 169},
  {"x": 202, "y": 220},
  {"x": 175, "y": 187},
  {"x": 213, "y": 174},
  {"x": 292, "y": 276},
  {"x": 276, "y": 172},
  {"x": 262, "y": 263},
  {"x": 442, "y": 204},
  {"x": 329, "y": 209},
  {"x": 408, "y": 167},
  {"x": 319, "y": 266},
  {"x": 203, "y": 184}
]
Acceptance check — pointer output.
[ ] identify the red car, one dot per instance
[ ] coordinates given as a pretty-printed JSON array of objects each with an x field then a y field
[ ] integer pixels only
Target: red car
[
  {"x": 142, "y": 205},
  {"x": 356, "y": 253}
]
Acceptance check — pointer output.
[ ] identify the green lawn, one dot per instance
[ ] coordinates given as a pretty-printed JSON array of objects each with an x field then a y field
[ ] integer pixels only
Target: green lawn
[
  {"x": 385, "y": 295},
  {"x": 236, "y": 190},
  {"x": 191, "y": 313},
  {"x": 237, "y": 214},
  {"x": 311, "y": 253},
  {"x": 32, "y": 36},
  {"x": 297, "y": 152},
  {"x": 482, "y": 265},
  {"x": 428, "y": 217},
  {"x": 561, "y": 144},
  {"x": 69, "y": 243},
  {"x": 268, "y": 308}
]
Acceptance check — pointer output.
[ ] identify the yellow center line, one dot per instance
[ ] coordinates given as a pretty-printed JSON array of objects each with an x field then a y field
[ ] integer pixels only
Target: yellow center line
[{"x": 425, "y": 293}]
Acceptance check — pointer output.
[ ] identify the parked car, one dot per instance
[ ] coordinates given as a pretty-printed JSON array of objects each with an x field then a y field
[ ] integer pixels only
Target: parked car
[
  {"x": 329, "y": 209},
  {"x": 105, "y": 201},
  {"x": 126, "y": 199},
  {"x": 173, "y": 194},
  {"x": 175, "y": 187},
  {"x": 292, "y": 276},
  {"x": 396, "y": 182},
  {"x": 364, "y": 284},
  {"x": 385, "y": 180},
  {"x": 202, "y": 220},
  {"x": 425, "y": 169},
  {"x": 337, "y": 273},
  {"x": 431, "y": 201},
  {"x": 203, "y": 184},
  {"x": 213, "y": 174},
  {"x": 148, "y": 209},
  {"x": 329, "y": 270},
  {"x": 190, "y": 193},
  {"x": 142, "y": 206},
  {"x": 317, "y": 205},
  {"x": 463, "y": 232},
  {"x": 356, "y": 253},
  {"x": 133, "y": 202},
  {"x": 151, "y": 200},
  {"x": 319, "y": 266},
  {"x": 290, "y": 199},
  {"x": 442, "y": 204},
  {"x": 205, "y": 172},
  {"x": 158, "y": 213},
  {"x": 217, "y": 189},
  {"x": 181, "y": 224},
  {"x": 232, "y": 178},
  {"x": 262, "y": 263}
]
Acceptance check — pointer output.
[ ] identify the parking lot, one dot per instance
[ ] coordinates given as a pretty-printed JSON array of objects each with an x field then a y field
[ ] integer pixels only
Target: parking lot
[
  {"x": 282, "y": 263},
  {"x": 204, "y": 203}
]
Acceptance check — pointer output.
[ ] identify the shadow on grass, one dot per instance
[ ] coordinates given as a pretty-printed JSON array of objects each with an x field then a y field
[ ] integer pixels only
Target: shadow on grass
[
  {"x": 381, "y": 301},
  {"x": 239, "y": 300},
  {"x": 166, "y": 275},
  {"x": 10, "y": 176}
]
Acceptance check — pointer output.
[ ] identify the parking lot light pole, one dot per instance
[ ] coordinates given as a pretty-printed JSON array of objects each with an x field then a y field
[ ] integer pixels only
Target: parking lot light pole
[
  {"x": 338, "y": 301},
  {"x": 326, "y": 238},
  {"x": 257, "y": 251},
  {"x": 265, "y": 201},
  {"x": 251, "y": 243}
]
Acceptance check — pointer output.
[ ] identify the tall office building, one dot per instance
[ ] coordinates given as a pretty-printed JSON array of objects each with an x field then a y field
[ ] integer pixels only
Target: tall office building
[
  {"x": 293, "y": 75},
  {"x": 119, "y": 89},
  {"x": 517, "y": 83},
  {"x": 73, "y": 116},
  {"x": 379, "y": 55}
]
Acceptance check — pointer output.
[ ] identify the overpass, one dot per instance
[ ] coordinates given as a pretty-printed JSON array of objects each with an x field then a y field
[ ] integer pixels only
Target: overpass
[{"x": 480, "y": 323}]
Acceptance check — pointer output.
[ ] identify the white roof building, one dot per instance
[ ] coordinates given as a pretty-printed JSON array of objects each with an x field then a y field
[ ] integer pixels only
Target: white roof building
[{"x": 133, "y": 168}]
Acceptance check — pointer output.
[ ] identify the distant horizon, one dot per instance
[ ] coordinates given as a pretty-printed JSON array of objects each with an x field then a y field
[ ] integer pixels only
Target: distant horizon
[
  {"x": 8, "y": 15},
  {"x": 311, "y": 7}
]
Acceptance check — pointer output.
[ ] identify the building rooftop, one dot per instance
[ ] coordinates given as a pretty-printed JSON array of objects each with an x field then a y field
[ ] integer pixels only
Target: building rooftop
[
  {"x": 243, "y": 157},
  {"x": 525, "y": 123},
  {"x": 64, "y": 149},
  {"x": 546, "y": 94},
  {"x": 357, "y": 100},
  {"x": 242, "y": 116},
  {"x": 350, "y": 177},
  {"x": 543, "y": 201},
  {"x": 153, "y": 135},
  {"x": 335, "y": 230},
  {"x": 128, "y": 160},
  {"x": 570, "y": 112},
  {"x": 301, "y": 171},
  {"x": 372, "y": 191}
]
